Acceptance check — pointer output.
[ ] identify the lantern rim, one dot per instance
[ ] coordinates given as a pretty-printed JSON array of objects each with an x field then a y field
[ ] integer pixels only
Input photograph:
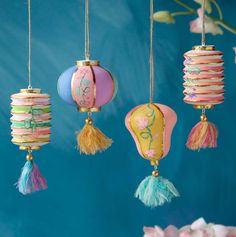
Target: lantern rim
[
  {"x": 33, "y": 90},
  {"x": 80, "y": 63},
  {"x": 29, "y": 148},
  {"x": 204, "y": 47},
  {"x": 208, "y": 106},
  {"x": 85, "y": 110}
]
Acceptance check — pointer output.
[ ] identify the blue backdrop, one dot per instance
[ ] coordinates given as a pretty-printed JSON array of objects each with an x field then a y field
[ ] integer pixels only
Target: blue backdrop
[{"x": 93, "y": 196}]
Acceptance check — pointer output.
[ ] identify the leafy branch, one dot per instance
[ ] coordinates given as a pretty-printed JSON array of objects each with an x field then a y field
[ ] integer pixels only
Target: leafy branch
[{"x": 169, "y": 18}]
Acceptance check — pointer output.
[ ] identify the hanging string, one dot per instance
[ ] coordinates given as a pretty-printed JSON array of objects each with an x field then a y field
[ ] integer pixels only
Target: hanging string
[
  {"x": 203, "y": 23},
  {"x": 203, "y": 34},
  {"x": 87, "y": 32},
  {"x": 151, "y": 60},
  {"x": 30, "y": 45}
]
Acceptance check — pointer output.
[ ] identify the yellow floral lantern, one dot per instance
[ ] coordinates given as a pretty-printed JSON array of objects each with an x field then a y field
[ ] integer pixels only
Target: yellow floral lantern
[{"x": 151, "y": 127}]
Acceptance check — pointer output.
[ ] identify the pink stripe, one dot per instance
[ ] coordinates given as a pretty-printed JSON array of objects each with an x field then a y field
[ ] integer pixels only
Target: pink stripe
[
  {"x": 205, "y": 99},
  {"x": 200, "y": 76},
  {"x": 21, "y": 117},
  {"x": 29, "y": 131},
  {"x": 204, "y": 91}
]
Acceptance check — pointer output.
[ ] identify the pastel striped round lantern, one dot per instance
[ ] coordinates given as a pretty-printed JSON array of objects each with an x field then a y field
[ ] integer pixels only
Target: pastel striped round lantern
[
  {"x": 204, "y": 88},
  {"x": 89, "y": 87},
  {"x": 30, "y": 124}
]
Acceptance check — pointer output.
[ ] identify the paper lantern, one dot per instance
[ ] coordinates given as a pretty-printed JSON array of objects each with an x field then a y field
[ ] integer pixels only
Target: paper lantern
[
  {"x": 30, "y": 124},
  {"x": 204, "y": 88},
  {"x": 151, "y": 127},
  {"x": 89, "y": 87}
]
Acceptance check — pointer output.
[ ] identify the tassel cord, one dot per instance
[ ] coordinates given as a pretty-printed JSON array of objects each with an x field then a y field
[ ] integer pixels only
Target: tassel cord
[
  {"x": 203, "y": 23},
  {"x": 151, "y": 59}
]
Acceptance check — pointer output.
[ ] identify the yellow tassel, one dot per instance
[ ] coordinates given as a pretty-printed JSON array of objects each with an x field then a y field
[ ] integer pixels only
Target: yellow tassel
[{"x": 91, "y": 140}]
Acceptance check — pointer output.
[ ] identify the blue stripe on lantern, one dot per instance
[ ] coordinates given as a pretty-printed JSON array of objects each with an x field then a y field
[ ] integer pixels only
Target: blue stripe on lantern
[{"x": 64, "y": 85}]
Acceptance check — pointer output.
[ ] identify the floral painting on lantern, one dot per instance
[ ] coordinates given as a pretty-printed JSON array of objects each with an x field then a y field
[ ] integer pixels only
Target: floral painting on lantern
[{"x": 147, "y": 123}]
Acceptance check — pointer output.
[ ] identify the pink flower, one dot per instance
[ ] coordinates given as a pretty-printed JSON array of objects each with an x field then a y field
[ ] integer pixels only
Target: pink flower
[
  {"x": 210, "y": 26},
  {"x": 150, "y": 153},
  {"x": 155, "y": 136},
  {"x": 170, "y": 231},
  {"x": 142, "y": 122},
  {"x": 232, "y": 232},
  {"x": 198, "y": 228},
  {"x": 220, "y": 230},
  {"x": 153, "y": 232}
]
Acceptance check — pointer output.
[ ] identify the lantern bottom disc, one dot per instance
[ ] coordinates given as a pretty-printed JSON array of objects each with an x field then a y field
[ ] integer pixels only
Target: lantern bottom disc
[
  {"x": 27, "y": 148},
  {"x": 84, "y": 110},
  {"x": 203, "y": 106}
]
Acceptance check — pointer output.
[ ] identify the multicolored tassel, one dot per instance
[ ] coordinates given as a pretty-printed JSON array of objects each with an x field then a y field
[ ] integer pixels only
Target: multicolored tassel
[
  {"x": 203, "y": 135},
  {"x": 91, "y": 140},
  {"x": 31, "y": 179},
  {"x": 155, "y": 190}
]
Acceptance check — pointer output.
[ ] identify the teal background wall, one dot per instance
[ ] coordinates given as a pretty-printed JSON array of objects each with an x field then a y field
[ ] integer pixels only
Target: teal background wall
[{"x": 93, "y": 196}]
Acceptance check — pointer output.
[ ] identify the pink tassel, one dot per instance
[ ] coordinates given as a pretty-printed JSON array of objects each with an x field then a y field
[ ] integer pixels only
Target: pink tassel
[
  {"x": 38, "y": 181},
  {"x": 203, "y": 135}
]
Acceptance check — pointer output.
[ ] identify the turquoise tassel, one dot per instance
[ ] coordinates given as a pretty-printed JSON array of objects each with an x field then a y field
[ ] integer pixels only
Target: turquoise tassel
[
  {"x": 155, "y": 191},
  {"x": 30, "y": 179}
]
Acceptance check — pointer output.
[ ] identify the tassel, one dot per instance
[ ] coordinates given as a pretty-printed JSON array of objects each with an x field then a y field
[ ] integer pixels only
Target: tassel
[
  {"x": 31, "y": 179},
  {"x": 91, "y": 140},
  {"x": 155, "y": 190},
  {"x": 203, "y": 135}
]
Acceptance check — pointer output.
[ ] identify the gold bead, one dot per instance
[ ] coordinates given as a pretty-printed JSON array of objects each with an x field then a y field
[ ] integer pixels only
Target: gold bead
[
  {"x": 203, "y": 118},
  {"x": 29, "y": 157},
  {"x": 155, "y": 173},
  {"x": 89, "y": 121}
]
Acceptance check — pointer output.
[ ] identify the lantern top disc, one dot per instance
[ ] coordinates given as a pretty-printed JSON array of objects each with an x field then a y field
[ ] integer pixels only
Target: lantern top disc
[
  {"x": 87, "y": 63},
  {"x": 204, "y": 47},
  {"x": 35, "y": 91}
]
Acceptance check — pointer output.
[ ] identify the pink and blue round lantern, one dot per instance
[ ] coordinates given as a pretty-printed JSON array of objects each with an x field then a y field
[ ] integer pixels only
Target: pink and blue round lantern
[{"x": 87, "y": 85}]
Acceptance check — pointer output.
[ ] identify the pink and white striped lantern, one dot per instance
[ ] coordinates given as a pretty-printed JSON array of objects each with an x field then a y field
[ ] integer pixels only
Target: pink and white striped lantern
[{"x": 203, "y": 88}]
